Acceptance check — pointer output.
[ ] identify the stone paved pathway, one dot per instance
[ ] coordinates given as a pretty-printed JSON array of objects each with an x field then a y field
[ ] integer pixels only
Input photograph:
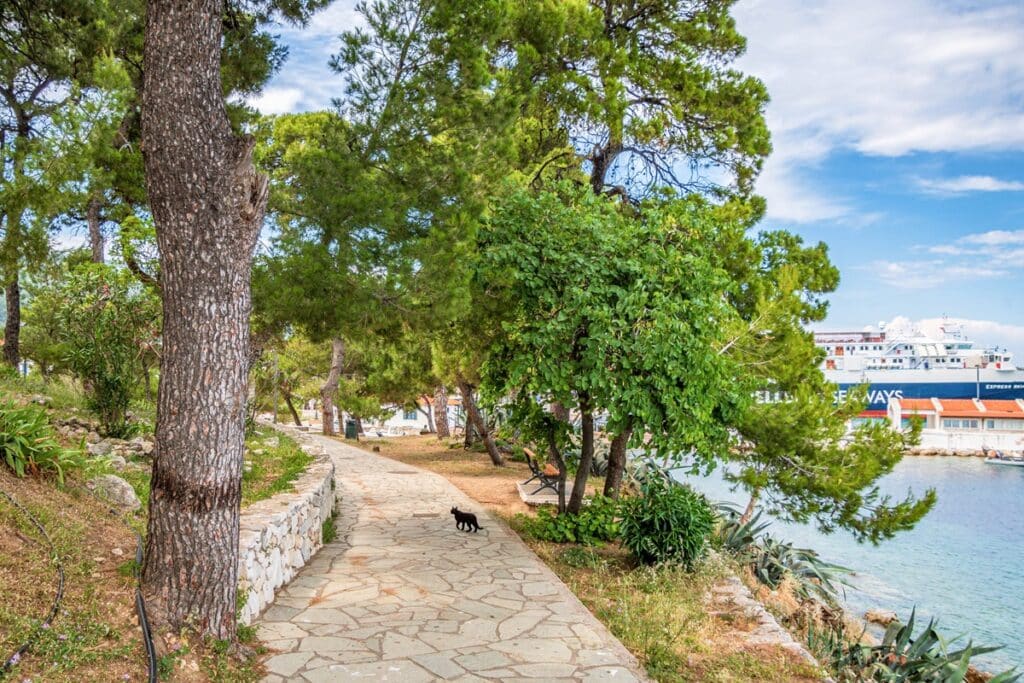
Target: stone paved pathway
[{"x": 401, "y": 595}]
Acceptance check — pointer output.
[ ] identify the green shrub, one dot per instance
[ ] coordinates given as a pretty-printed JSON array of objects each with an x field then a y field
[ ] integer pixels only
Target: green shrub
[
  {"x": 596, "y": 523},
  {"x": 27, "y": 444},
  {"x": 669, "y": 523},
  {"x": 101, "y": 323}
]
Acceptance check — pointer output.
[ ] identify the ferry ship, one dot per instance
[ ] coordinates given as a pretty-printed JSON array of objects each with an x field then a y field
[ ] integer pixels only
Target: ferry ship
[{"x": 905, "y": 364}]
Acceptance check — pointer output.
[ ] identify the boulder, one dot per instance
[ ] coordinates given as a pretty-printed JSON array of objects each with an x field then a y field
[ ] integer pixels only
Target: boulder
[
  {"x": 883, "y": 617},
  {"x": 104, "y": 447},
  {"x": 93, "y": 437},
  {"x": 117, "y": 463},
  {"x": 116, "y": 490}
]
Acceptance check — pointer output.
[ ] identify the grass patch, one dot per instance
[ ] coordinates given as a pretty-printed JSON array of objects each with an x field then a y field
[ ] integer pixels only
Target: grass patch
[
  {"x": 329, "y": 531},
  {"x": 273, "y": 463},
  {"x": 660, "y": 615}
]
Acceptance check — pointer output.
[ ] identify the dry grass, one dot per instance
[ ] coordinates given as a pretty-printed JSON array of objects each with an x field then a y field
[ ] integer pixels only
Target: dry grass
[
  {"x": 660, "y": 615},
  {"x": 95, "y": 636}
]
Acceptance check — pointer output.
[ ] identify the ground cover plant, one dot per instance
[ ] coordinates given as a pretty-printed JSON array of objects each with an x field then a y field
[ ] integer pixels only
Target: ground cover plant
[{"x": 29, "y": 446}]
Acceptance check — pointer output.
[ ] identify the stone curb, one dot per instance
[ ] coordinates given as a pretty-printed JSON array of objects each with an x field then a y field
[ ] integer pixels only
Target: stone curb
[{"x": 278, "y": 536}]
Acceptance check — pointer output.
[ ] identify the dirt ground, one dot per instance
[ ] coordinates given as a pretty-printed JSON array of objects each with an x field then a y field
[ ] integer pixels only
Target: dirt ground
[
  {"x": 471, "y": 472},
  {"x": 95, "y": 635}
]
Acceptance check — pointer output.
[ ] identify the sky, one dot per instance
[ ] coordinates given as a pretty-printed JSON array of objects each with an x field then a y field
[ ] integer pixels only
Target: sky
[{"x": 898, "y": 136}]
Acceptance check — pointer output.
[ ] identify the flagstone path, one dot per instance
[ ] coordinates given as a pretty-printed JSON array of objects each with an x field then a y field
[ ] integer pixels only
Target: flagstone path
[{"x": 401, "y": 595}]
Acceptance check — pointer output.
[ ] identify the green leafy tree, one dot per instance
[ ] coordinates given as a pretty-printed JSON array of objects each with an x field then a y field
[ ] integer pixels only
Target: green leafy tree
[
  {"x": 647, "y": 91},
  {"x": 610, "y": 314}
]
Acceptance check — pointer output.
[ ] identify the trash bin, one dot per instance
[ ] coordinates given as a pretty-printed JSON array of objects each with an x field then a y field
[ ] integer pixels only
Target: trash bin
[{"x": 350, "y": 430}]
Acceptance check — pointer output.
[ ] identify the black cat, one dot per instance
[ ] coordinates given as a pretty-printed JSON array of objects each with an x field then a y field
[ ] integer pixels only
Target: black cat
[{"x": 465, "y": 521}]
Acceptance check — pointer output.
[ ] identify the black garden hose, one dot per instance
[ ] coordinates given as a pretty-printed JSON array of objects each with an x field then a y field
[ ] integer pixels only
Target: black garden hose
[
  {"x": 16, "y": 655},
  {"x": 140, "y": 608}
]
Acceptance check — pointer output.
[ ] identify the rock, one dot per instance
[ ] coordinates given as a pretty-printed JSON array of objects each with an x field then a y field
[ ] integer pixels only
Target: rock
[
  {"x": 116, "y": 552},
  {"x": 100, "y": 448},
  {"x": 115, "y": 490},
  {"x": 92, "y": 437},
  {"x": 883, "y": 617},
  {"x": 41, "y": 400},
  {"x": 117, "y": 463},
  {"x": 272, "y": 442}
]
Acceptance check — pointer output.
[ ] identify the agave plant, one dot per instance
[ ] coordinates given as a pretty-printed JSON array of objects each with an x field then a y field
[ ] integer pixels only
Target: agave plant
[
  {"x": 735, "y": 535},
  {"x": 772, "y": 561},
  {"x": 901, "y": 657}
]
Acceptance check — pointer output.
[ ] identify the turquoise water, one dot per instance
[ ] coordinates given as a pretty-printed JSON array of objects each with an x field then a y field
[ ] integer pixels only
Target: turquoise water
[{"x": 963, "y": 563}]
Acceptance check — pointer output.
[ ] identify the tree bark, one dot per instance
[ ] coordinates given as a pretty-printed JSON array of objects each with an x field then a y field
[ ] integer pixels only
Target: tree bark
[
  {"x": 207, "y": 202},
  {"x": 428, "y": 412},
  {"x": 12, "y": 328},
  {"x": 469, "y": 436},
  {"x": 617, "y": 461},
  {"x": 579, "y": 485},
  {"x": 330, "y": 387},
  {"x": 291, "y": 409},
  {"x": 92, "y": 217},
  {"x": 441, "y": 412},
  {"x": 359, "y": 424},
  {"x": 473, "y": 416},
  {"x": 555, "y": 455}
]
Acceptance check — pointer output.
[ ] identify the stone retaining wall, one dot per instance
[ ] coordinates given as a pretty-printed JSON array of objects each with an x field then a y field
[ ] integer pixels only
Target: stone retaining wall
[{"x": 279, "y": 535}]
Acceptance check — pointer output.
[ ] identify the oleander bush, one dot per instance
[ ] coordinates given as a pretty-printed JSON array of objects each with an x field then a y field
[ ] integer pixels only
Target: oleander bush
[{"x": 667, "y": 523}]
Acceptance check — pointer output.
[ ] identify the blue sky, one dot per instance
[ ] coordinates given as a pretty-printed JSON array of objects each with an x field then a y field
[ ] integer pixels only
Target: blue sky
[{"x": 898, "y": 130}]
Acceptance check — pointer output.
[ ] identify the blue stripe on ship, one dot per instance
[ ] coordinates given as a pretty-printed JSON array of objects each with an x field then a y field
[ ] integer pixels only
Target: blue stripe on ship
[{"x": 879, "y": 394}]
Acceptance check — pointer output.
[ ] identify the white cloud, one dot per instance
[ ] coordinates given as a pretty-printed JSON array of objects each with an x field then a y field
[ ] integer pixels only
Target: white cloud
[
  {"x": 981, "y": 250},
  {"x": 926, "y": 274},
  {"x": 277, "y": 100},
  {"x": 969, "y": 183},
  {"x": 880, "y": 78},
  {"x": 995, "y": 237},
  {"x": 66, "y": 240}
]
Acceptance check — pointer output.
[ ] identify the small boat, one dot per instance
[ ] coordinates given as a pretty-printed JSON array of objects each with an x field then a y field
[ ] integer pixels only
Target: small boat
[{"x": 1000, "y": 458}]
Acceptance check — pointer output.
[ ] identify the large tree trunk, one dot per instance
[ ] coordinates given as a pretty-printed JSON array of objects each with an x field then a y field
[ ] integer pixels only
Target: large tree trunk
[
  {"x": 92, "y": 217},
  {"x": 359, "y": 424},
  {"x": 441, "y": 412},
  {"x": 617, "y": 461},
  {"x": 579, "y": 485},
  {"x": 207, "y": 202},
  {"x": 469, "y": 435},
  {"x": 330, "y": 387},
  {"x": 473, "y": 416},
  {"x": 12, "y": 328}
]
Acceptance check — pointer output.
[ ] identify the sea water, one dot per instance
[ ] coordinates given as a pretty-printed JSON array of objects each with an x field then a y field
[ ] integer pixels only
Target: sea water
[{"x": 962, "y": 564}]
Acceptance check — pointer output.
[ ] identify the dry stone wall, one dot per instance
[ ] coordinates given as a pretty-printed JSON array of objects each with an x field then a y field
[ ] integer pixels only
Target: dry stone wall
[{"x": 280, "y": 535}]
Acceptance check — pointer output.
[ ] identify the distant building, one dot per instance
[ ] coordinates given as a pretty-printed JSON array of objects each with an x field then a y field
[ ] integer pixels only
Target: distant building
[
  {"x": 409, "y": 419},
  {"x": 962, "y": 425}
]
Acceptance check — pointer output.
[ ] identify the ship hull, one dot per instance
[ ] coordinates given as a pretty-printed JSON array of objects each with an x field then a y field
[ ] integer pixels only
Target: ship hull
[{"x": 902, "y": 384}]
